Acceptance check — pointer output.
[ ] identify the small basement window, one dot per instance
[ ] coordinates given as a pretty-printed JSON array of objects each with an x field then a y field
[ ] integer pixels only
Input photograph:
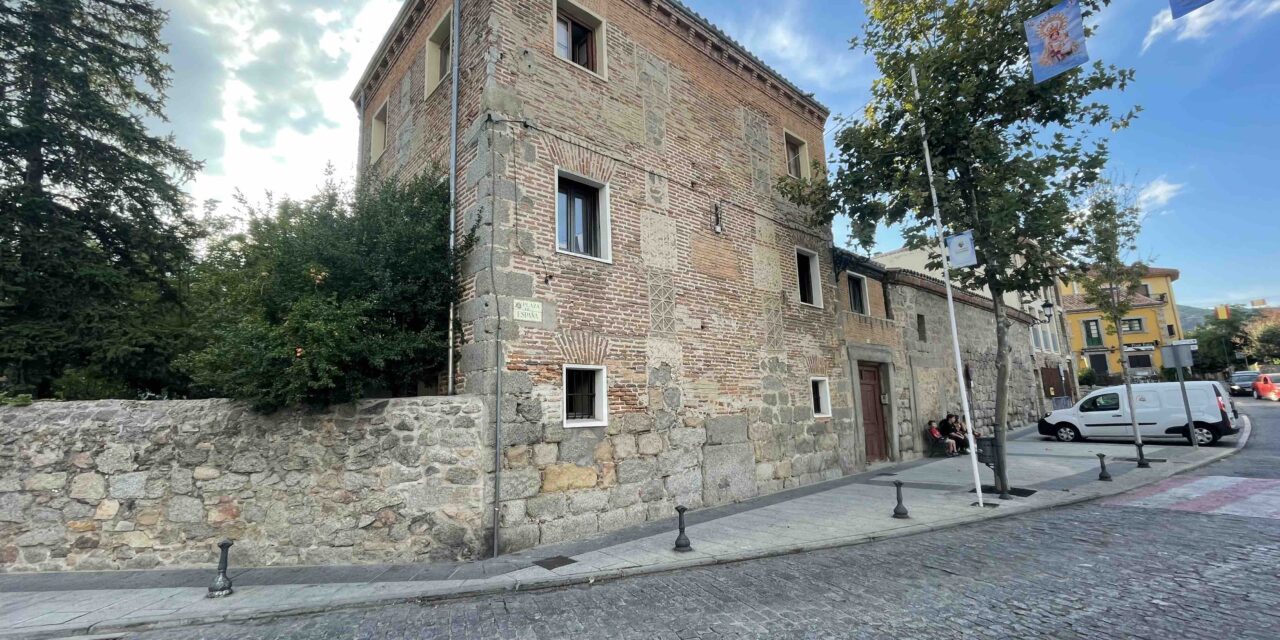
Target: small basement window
[
  {"x": 857, "y": 293},
  {"x": 797, "y": 156},
  {"x": 439, "y": 52},
  {"x": 579, "y": 36},
  {"x": 378, "y": 133},
  {"x": 582, "y": 218},
  {"x": 820, "y": 392},
  {"x": 807, "y": 277},
  {"x": 586, "y": 402}
]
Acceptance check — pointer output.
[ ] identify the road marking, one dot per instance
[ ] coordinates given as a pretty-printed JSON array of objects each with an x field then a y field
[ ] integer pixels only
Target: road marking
[{"x": 1219, "y": 495}]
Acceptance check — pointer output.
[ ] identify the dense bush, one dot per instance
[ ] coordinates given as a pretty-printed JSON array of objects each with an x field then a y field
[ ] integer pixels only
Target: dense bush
[
  {"x": 323, "y": 300},
  {"x": 1087, "y": 377}
]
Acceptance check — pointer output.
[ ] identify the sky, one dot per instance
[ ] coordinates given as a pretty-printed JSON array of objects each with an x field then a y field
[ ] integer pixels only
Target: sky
[{"x": 261, "y": 92}]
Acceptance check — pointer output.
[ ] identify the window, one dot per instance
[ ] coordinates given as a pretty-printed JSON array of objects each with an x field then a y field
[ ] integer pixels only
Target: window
[
  {"x": 1098, "y": 362},
  {"x": 1092, "y": 333},
  {"x": 1036, "y": 336},
  {"x": 582, "y": 219},
  {"x": 857, "y": 293},
  {"x": 439, "y": 51},
  {"x": 1131, "y": 325},
  {"x": 921, "y": 331},
  {"x": 820, "y": 392},
  {"x": 809, "y": 281},
  {"x": 1104, "y": 402},
  {"x": 1145, "y": 289},
  {"x": 378, "y": 134},
  {"x": 586, "y": 403},
  {"x": 1140, "y": 361},
  {"x": 797, "y": 156},
  {"x": 579, "y": 36},
  {"x": 1171, "y": 330}
]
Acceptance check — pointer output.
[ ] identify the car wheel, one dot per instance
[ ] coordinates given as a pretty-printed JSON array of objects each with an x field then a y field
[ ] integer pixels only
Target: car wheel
[
  {"x": 1255, "y": 395},
  {"x": 1068, "y": 433},
  {"x": 1205, "y": 436}
]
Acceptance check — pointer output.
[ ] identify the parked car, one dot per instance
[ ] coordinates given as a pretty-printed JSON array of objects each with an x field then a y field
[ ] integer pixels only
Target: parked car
[
  {"x": 1241, "y": 383},
  {"x": 1267, "y": 386},
  {"x": 1105, "y": 413}
]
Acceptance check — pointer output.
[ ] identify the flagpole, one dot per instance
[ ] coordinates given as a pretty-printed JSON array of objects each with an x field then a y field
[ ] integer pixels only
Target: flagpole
[{"x": 951, "y": 303}]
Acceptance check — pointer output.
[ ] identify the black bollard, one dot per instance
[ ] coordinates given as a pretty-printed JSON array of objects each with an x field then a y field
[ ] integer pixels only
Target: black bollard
[
  {"x": 682, "y": 540},
  {"x": 1142, "y": 460},
  {"x": 1104, "y": 475},
  {"x": 900, "y": 511},
  {"x": 221, "y": 586}
]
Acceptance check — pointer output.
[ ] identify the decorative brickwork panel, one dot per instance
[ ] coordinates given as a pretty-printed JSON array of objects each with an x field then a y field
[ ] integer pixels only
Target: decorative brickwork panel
[
  {"x": 774, "y": 339},
  {"x": 662, "y": 303},
  {"x": 578, "y": 157},
  {"x": 714, "y": 256},
  {"x": 656, "y": 190},
  {"x": 658, "y": 242},
  {"x": 583, "y": 347},
  {"x": 755, "y": 131}
]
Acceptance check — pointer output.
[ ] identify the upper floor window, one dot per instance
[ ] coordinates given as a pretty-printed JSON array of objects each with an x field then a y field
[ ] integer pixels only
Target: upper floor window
[
  {"x": 582, "y": 218},
  {"x": 378, "y": 133},
  {"x": 857, "y": 293},
  {"x": 1092, "y": 333},
  {"x": 807, "y": 276},
  {"x": 1172, "y": 331},
  {"x": 1131, "y": 325},
  {"x": 439, "y": 52},
  {"x": 797, "y": 157},
  {"x": 922, "y": 332},
  {"x": 579, "y": 36}
]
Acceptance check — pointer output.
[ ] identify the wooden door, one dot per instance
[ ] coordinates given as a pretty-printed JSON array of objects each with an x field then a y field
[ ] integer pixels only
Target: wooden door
[
  {"x": 1053, "y": 385},
  {"x": 873, "y": 423}
]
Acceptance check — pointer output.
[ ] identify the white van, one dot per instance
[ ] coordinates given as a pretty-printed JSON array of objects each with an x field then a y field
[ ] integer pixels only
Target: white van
[{"x": 1105, "y": 414}]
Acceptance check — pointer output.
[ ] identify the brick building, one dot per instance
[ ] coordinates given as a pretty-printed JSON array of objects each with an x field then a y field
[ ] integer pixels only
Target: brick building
[{"x": 652, "y": 310}]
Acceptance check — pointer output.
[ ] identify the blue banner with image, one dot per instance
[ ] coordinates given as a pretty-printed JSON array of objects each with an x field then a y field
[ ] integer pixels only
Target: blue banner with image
[
  {"x": 1181, "y": 8},
  {"x": 1056, "y": 41}
]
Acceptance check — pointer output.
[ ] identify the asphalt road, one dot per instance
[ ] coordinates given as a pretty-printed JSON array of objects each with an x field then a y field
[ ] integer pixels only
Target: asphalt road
[{"x": 1106, "y": 569}]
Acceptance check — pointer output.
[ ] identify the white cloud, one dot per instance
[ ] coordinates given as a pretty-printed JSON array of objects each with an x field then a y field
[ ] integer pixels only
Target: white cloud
[
  {"x": 775, "y": 35},
  {"x": 1158, "y": 193},
  {"x": 1205, "y": 21}
]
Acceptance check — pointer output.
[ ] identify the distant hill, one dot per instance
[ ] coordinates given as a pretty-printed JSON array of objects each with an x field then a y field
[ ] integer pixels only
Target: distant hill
[{"x": 1193, "y": 317}]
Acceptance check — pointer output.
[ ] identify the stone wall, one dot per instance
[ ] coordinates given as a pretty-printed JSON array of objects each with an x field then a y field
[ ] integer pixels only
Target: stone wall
[
  {"x": 932, "y": 364},
  {"x": 133, "y": 485}
]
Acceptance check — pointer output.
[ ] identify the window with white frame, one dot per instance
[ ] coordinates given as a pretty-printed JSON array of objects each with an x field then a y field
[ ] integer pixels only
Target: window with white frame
[
  {"x": 820, "y": 392},
  {"x": 439, "y": 52},
  {"x": 857, "y": 293},
  {"x": 378, "y": 133},
  {"x": 797, "y": 156},
  {"x": 1036, "y": 338},
  {"x": 586, "y": 401},
  {"x": 579, "y": 36},
  {"x": 808, "y": 278},
  {"x": 582, "y": 217}
]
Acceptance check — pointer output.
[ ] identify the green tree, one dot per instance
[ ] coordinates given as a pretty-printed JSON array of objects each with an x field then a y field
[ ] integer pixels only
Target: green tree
[
  {"x": 1264, "y": 338},
  {"x": 1219, "y": 340},
  {"x": 1009, "y": 155},
  {"x": 92, "y": 224},
  {"x": 324, "y": 300},
  {"x": 1110, "y": 224}
]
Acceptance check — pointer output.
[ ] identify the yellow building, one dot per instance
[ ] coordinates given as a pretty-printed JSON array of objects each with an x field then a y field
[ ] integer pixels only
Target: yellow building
[{"x": 1153, "y": 321}]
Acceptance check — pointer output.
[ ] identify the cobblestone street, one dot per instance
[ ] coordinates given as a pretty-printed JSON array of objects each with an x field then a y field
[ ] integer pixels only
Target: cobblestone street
[{"x": 1102, "y": 569}]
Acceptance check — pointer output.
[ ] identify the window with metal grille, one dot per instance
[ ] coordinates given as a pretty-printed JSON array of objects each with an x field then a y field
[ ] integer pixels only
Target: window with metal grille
[
  {"x": 578, "y": 224},
  {"x": 580, "y": 394}
]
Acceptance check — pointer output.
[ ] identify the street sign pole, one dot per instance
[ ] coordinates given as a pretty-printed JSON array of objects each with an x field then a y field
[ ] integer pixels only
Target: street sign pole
[
  {"x": 1186, "y": 404},
  {"x": 1178, "y": 353},
  {"x": 951, "y": 304}
]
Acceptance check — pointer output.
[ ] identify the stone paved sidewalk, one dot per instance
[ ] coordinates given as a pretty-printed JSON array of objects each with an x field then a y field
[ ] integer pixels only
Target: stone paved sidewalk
[{"x": 851, "y": 510}]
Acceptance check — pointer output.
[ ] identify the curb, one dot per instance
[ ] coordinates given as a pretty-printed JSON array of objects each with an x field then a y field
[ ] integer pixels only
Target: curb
[{"x": 111, "y": 629}]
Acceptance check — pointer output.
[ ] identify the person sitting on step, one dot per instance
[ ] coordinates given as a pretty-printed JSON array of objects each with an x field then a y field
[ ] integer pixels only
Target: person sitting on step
[{"x": 937, "y": 435}]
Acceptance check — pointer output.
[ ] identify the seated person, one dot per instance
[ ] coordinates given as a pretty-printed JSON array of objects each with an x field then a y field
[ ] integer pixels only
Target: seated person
[
  {"x": 953, "y": 429},
  {"x": 937, "y": 435}
]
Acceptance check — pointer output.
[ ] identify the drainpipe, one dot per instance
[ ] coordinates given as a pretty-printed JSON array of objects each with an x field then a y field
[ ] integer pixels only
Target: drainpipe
[{"x": 453, "y": 165}]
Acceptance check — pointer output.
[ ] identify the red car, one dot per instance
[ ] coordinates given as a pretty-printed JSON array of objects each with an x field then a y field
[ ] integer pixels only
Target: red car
[{"x": 1267, "y": 386}]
